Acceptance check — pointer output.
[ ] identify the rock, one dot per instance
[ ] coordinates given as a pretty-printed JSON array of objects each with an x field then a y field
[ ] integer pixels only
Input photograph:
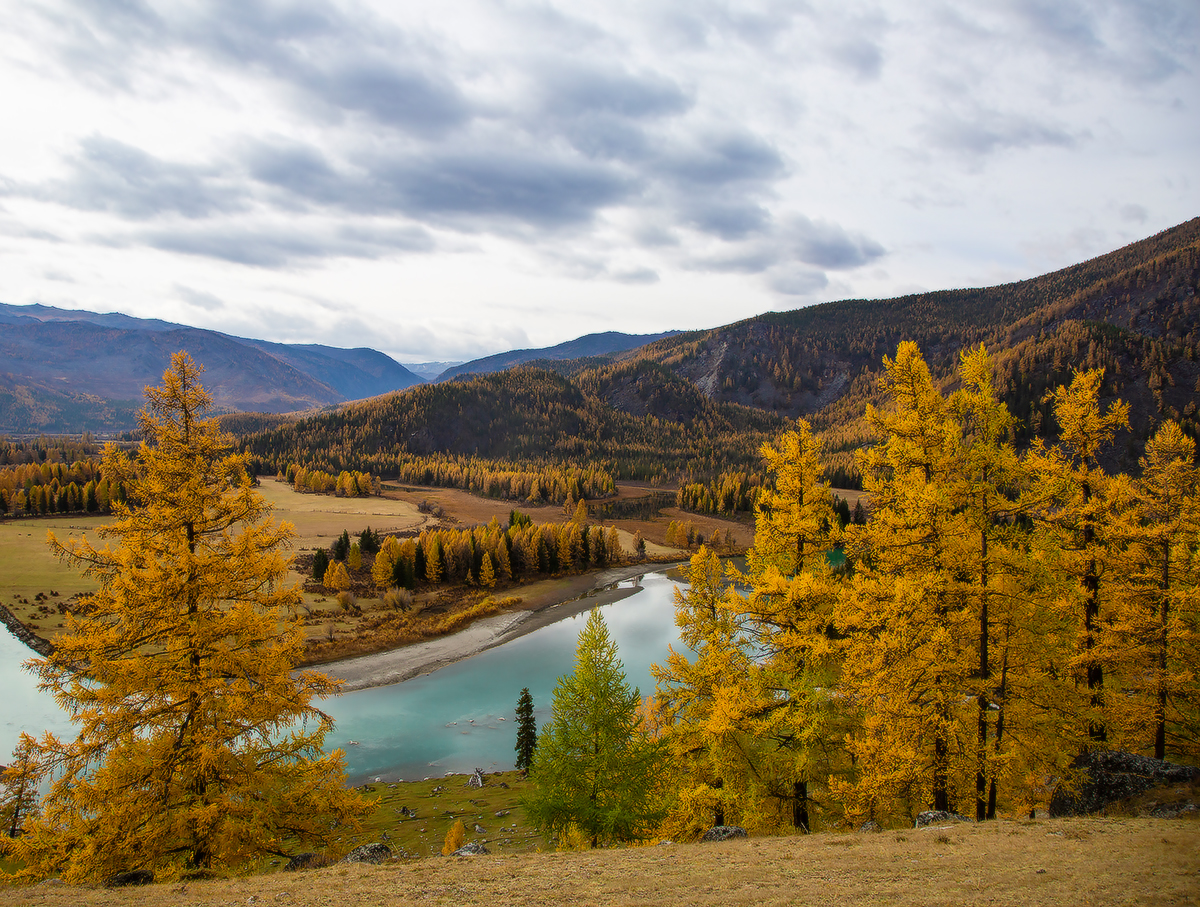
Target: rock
[
  {"x": 937, "y": 817},
  {"x": 369, "y": 853},
  {"x": 133, "y": 877},
  {"x": 724, "y": 833},
  {"x": 502, "y": 813},
  {"x": 306, "y": 861},
  {"x": 479, "y": 829},
  {"x": 470, "y": 850},
  {"x": 869, "y": 825},
  {"x": 1106, "y": 777},
  {"x": 476, "y": 779}
]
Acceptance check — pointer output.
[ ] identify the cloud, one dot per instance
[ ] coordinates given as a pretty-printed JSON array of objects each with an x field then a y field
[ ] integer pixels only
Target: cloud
[
  {"x": 797, "y": 281},
  {"x": 271, "y": 245},
  {"x": 108, "y": 175},
  {"x": 828, "y": 245},
  {"x": 986, "y": 132},
  {"x": 200, "y": 299}
]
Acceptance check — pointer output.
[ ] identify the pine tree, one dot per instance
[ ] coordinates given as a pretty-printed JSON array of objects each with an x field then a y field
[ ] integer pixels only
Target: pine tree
[
  {"x": 197, "y": 749},
  {"x": 526, "y": 731},
  {"x": 595, "y": 770},
  {"x": 320, "y": 564}
]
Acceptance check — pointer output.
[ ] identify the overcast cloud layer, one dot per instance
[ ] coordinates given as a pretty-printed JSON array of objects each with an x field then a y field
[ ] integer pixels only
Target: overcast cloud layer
[{"x": 448, "y": 180}]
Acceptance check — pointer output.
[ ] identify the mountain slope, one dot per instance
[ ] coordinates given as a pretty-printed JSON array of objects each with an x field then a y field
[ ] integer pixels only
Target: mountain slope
[
  {"x": 67, "y": 371},
  {"x": 579, "y": 348}
]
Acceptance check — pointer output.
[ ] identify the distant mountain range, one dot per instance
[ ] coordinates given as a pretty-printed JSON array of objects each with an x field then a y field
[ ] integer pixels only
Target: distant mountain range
[
  {"x": 68, "y": 371},
  {"x": 1135, "y": 312},
  {"x": 590, "y": 345}
]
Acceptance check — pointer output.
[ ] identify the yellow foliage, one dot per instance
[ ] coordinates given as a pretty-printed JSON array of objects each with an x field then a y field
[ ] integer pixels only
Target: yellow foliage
[
  {"x": 197, "y": 750},
  {"x": 454, "y": 838}
]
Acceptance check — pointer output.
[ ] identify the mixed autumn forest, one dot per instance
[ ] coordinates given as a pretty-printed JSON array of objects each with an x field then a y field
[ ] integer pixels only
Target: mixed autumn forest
[{"x": 1019, "y": 587}]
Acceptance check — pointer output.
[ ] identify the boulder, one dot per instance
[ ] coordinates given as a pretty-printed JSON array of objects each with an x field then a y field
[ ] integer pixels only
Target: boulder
[
  {"x": 132, "y": 877},
  {"x": 470, "y": 850},
  {"x": 369, "y": 853},
  {"x": 306, "y": 861},
  {"x": 869, "y": 826},
  {"x": 479, "y": 829},
  {"x": 1098, "y": 779},
  {"x": 937, "y": 817},
  {"x": 724, "y": 833}
]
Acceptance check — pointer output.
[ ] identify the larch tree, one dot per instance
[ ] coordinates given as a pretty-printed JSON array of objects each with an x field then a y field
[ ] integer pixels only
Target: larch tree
[
  {"x": 788, "y": 614},
  {"x": 986, "y": 486},
  {"x": 907, "y": 656},
  {"x": 1076, "y": 515},
  {"x": 596, "y": 772},
  {"x": 1154, "y": 640},
  {"x": 19, "y": 788},
  {"x": 197, "y": 749},
  {"x": 701, "y": 702}
]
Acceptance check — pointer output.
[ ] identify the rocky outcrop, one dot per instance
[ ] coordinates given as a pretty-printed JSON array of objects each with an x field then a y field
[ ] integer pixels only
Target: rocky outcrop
[
  {"x": 369, "y": 853},
  {"x": 473, "y": 849},
  {"x": 724, "y": 833},
  {"x": 1097, "y": 779},
  {"x": 937, "y": 817}
]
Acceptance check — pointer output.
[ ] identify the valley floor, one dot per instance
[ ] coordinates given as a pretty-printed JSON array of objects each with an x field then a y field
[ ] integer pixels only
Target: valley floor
[
  {"x": 542, "y": 603},
  {"x": 1044, "y": 862}
]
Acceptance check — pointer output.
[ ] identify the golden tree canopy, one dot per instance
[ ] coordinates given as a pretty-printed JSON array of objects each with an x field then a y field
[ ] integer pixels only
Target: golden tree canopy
[{"x": 197, "y": 748}]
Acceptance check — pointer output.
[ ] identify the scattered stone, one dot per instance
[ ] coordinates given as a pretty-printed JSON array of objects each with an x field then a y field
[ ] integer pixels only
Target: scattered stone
[
  {"x": 369, "y": 853},
  {"x": 937, "y": 817},
  {"x": 502, "y": 813},
  {"x": 504, "y": 784},
  {"x": 869, "y": 825},
  {"x": 479, "y": 829},
  {"x": 133, "y": 877},
  {"x": 470, "y": 850},
  {"x": 724, "y": 833},
  {"x": 1106, "y": 777}
]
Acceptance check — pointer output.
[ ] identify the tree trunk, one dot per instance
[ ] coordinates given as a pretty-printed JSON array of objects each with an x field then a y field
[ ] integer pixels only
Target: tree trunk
[{"x": 800, "y": 805}]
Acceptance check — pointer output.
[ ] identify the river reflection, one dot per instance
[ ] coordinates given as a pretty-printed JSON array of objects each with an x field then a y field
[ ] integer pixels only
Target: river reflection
[
  {"x": 462, "y": 716},
  {"x": 452, "y": 720}
]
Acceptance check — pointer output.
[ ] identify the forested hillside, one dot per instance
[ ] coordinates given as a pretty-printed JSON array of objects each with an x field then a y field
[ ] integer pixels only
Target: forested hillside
[
  {"x": 1133, "y": 311},
  {"x": 510, "y": 421},
  {"x": 696, "y": 407}
]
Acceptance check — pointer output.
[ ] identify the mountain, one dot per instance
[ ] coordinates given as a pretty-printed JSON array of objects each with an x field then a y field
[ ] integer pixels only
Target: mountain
[
  {"x": 69, "y": 371},
  {"x": 697, "y": 403},
  {"x": 580, "y": 348}
]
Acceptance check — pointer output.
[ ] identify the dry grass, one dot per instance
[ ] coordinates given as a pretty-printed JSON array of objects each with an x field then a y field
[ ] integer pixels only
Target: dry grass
[{"x": 1052, "y": 862}]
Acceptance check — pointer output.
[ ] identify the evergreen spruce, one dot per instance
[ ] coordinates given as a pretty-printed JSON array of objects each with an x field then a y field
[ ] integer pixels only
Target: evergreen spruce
[{"x": 526, "y": 730}]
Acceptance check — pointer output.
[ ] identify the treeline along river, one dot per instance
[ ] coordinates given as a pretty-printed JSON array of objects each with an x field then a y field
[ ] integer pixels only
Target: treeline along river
[{"x": 454, "y": 719}]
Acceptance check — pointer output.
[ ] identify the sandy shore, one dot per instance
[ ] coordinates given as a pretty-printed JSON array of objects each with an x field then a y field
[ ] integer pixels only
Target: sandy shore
[{"x": 542, "y": 604}]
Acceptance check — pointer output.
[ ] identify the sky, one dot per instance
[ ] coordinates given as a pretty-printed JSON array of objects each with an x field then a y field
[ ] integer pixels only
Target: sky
[{"x": 451, "y": 179}]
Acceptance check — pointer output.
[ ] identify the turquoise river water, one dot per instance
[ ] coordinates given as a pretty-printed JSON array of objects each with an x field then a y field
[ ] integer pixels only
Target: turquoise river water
[{"x": 455, "y": 719}]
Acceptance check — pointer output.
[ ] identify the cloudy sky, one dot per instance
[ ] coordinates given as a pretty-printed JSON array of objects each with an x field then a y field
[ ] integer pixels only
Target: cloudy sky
[{"x": 445, "y": 180}]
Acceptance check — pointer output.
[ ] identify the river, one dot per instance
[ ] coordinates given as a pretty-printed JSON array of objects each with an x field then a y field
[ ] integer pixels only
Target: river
[{"x": 455, "y": 719}]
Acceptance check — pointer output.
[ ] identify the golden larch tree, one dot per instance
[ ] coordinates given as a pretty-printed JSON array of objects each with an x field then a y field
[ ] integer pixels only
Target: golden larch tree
[{"x": 197, "y": 749}]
